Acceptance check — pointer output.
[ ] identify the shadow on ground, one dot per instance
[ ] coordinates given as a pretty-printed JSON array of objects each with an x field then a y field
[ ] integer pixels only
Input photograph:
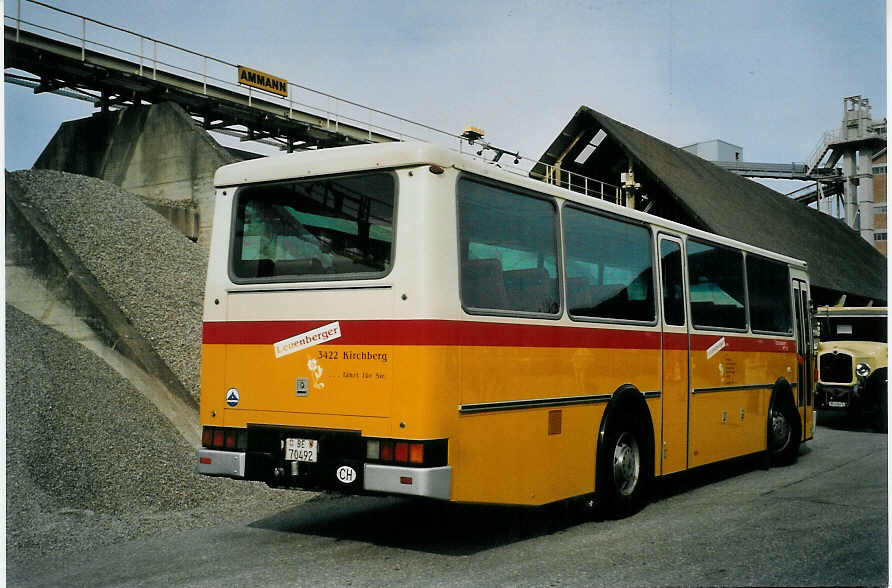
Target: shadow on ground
[
  {"x": 843, "y": 421},
  {"x": 424, "y": 525},
  {"x": 463, "y": 529}
]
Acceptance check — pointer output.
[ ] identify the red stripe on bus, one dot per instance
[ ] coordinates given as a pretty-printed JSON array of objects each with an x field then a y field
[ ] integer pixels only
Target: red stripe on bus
[
  {"x": 679, "y": 342},
  {"x": 432, "y": 332},
  {"x": 759, "y": 344},
  {"x": 473, "y": 333},
  {"x": 675, "y": 341}
]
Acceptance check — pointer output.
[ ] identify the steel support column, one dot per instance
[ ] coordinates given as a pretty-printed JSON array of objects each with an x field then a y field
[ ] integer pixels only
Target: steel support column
[
  {"x": 850, "y": 188},
  {"x": 865, "y": 193}
]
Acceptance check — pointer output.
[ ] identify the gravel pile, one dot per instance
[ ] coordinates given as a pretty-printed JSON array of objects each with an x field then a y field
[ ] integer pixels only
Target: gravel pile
[
  {"x": 90, "y": 461},
  {"x": 151, "y": 270}
]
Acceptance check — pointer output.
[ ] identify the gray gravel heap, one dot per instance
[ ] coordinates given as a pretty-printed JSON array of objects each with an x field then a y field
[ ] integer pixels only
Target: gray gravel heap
[
  {"x": 90, "y": 461},
  {"x": 151, "y": 270}
]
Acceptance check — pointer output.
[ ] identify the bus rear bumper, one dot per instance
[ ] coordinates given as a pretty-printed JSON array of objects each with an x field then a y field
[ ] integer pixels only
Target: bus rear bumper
[
  {"x": 433, "y": 482},
  {"x": 221, "y": 463},
  {"x": 430, "y": 482}
]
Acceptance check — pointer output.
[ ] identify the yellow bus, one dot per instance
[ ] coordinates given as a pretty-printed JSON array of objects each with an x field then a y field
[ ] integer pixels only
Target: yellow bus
[{"x": 402, "y": 319}]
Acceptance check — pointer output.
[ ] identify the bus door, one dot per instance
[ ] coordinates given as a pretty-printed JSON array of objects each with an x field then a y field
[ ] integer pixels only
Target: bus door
[
  {"x": 804, "y": 357},
  {"x": 674, "y": 455}
]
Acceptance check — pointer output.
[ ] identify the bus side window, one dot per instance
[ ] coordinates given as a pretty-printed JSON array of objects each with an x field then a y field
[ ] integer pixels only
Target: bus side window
[
  {"x": 768, "y": 285},
  {"x": 509, "y": 250},
  {"x": 673, "y": 284},
  {"x": 609, "y": 268},
  {"x": 716, "y": 282}
]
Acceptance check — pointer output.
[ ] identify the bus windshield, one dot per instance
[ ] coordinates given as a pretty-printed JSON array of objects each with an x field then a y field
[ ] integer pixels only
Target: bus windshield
[{"x": 316, "y": 229}]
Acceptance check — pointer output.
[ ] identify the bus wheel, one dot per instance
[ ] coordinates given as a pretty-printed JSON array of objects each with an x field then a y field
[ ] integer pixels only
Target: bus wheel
[
  {"x": 623, "y": 473},
  {"x": 783, "y": 437}
]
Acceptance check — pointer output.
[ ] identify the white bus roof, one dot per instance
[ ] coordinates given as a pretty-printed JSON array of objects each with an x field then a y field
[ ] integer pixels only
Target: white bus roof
[{"x": 356, "y": 158}]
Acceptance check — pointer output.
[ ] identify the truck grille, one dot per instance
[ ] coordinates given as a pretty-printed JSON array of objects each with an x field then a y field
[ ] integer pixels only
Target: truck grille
[{"x": 836, "y": 367}]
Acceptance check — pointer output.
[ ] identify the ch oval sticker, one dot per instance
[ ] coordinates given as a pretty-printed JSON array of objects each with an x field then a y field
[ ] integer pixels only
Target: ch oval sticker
[{"x": 346, "y": 474}]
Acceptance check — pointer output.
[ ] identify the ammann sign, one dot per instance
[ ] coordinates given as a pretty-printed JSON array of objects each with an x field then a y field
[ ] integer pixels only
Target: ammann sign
[{"x": 264, "y": 81}]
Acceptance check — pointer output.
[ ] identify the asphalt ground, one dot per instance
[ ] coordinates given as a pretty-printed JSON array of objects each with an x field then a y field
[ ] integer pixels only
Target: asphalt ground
[{"x": 821, "y": 521}]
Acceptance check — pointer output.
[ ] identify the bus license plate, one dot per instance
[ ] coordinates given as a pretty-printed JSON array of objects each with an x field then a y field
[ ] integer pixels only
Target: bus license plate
[
  {"x": 837, "y": 404},
  {"x": 301, "y": 449}
]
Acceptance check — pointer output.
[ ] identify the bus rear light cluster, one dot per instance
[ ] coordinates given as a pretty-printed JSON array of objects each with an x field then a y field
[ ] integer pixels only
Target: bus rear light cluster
[
  {"x": 430, "y": 453},
  {"x": 398, "y": 451},
  {"x": 225, "y": 438}
]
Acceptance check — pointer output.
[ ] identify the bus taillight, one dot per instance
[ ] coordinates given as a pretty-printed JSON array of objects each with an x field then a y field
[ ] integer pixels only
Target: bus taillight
[
  {"x": 430, "y": 453},
  {"x": 401, "y": 453},
  {"x": 416, "y": 453},
  {"x": 386, "y": 451},
  {"x": 224, "y": 438}
]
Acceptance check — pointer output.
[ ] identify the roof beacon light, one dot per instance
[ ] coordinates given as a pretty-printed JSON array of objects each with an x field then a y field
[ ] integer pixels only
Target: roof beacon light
[{"x": 472, "y": 133}]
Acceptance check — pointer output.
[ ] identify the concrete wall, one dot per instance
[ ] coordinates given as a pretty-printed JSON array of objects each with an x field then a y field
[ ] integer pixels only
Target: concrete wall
[{"x": 155, "y": 151}]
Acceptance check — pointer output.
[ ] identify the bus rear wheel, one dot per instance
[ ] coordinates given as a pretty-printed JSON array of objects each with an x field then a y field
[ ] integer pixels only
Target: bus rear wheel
[
  {"x": 783, "y": 436},
  {"x": 623, "y": 470}
]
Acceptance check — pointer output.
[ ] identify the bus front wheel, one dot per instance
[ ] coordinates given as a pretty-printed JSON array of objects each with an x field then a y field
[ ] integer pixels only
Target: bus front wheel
[{"x": 623, "y": 470}]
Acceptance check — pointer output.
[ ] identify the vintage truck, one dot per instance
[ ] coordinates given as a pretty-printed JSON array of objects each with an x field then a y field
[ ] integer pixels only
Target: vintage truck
[{"x": 852, "y": 363}]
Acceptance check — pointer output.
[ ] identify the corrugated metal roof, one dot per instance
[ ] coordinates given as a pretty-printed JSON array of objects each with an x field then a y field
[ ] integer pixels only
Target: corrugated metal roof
[{"x": 721, "y": 202}]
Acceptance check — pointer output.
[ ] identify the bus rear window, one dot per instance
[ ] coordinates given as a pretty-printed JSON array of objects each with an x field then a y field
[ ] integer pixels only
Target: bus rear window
[{"x": 314, "y": 229}]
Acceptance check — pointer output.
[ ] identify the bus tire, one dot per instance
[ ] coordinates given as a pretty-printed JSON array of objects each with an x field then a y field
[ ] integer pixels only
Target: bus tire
[
  {"x": 784, "y": 434},
  {"x": 624, "y": 473}
]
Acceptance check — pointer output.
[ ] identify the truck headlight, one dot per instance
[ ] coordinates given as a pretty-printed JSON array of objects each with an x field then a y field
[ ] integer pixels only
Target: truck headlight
[{"x": 862, "y": 369}]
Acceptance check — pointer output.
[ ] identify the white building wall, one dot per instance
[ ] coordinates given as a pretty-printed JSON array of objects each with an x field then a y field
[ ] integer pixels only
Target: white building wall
[{"x": 716, "y": 150}]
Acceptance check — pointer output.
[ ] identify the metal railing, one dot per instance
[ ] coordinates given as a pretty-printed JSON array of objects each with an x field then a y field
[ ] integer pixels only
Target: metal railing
[
  {"x": 820, "y": 149},
  {"x": 154, "y": 55},
  {"x": 805, "y": 190}
]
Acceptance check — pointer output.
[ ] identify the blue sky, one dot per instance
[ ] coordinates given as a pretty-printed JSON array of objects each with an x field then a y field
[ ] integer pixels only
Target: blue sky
[{"x": 768, "y": 76}]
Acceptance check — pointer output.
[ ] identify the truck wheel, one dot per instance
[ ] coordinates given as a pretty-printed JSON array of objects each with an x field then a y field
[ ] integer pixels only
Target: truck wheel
[
  {"x": 881, "y": 422},
  {"x": 783, "y": 436},
  {"x": 623, "y": 471}
]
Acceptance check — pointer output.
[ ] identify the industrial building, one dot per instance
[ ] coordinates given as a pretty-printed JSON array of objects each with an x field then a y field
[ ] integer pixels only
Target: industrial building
[{"x": 676, "y": 184}]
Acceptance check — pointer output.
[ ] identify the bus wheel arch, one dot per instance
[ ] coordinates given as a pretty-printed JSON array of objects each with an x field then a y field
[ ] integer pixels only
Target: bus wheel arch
[
  {"x": 784, "y": 425},
  {"x": 625, "y": 454}
]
